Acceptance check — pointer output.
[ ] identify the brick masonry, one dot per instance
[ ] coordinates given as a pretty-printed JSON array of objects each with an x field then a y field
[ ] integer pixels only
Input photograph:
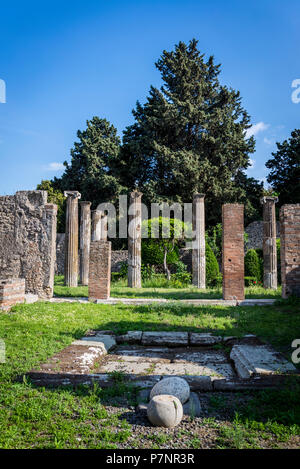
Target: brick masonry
[
  {"x": 290, "y": 249},
  {"x": 12, "y": 291},
  {"x": 99, "y": 271},
  {"x": 27, "y": 240},
  {"x": 233, "y": 251}
]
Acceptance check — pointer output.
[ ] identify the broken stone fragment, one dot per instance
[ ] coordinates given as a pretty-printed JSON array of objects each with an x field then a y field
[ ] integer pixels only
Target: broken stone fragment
[
  {"x": 173, "y": 386},
  {"x": 172, "y": 339},
  {"x": 131, "y": 337},
  {"x": 197, "y": 338},
  {"x": 165, "y": 411}
]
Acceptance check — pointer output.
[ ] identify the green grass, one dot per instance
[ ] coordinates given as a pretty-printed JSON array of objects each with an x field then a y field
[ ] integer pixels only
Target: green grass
[
  {"x": 33, "y": 417},
  {"x": 119, "y": 289}
]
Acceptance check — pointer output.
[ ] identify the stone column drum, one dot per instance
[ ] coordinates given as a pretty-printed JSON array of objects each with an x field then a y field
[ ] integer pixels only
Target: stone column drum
[
  {"x": 290, "y": 249},
  {"x": 71, "y": 239},
  {"x": 269, "y": 242},
  {"x": 96, "y": 225},
  {"x": 198, "y": 253},
  {"x": 85, "y": 241},
  {"x": 233, "y": 252},
  {"x": 134, "y": 240}
]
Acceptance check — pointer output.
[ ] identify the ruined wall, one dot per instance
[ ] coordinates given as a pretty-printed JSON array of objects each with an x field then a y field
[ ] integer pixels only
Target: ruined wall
[
  {"x": 27, "y": 240},
  {"x": 255, "y": 231},
  {"x": 290, "y": 250}
]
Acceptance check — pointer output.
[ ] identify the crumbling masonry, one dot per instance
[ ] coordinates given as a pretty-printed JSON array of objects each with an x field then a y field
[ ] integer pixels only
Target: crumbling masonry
[{"x": 290, "y": 249}]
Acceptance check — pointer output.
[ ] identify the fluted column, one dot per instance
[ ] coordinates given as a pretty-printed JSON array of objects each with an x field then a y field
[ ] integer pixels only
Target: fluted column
[
  {"x": 71, "y": 239},
  {"x": 85, "y": 241},
  {"x": 99, "y": 226},
  {"x": 269, "y": 242},
  {"x": 198, "y": 253},
  {"x": 134, "y": 240}
]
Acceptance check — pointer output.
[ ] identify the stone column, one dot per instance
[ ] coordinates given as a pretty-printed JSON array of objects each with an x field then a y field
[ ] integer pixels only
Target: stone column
[
  {"x": 198, "y": 254},
  {"x": 269, "y": 242},
  {"x": 233, "y": 252},
  {"x": 134, "y": 240},
  {"x": 290, "y": 249},
  {"x": 50, "y": 223},
  {"x": 96, "y": 225},
  {"x": 104, "y": 227},
  {"x": 100, "y": 270},
  {"x": 85, "y": 241},
  {"x": 71, "y": 239}
]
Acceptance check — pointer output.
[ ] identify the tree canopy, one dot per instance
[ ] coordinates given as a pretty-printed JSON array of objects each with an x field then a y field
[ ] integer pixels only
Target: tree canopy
[{"x": 284, "y": 175}]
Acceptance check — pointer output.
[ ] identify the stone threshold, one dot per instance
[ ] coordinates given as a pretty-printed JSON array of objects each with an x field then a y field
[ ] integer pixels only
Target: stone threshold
[{"x": 146, "y": 301}]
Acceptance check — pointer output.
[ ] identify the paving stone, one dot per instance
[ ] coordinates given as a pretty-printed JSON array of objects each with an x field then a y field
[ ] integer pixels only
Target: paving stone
[
  {"x": 192, "y": 407},
  {"x": 132, "y": 337},
  {"x": 135, "y": 368},
  {"x": 251, "y": 360},
  {"x": 201, "y": 357},
  {"x": 210, "y": 369},
  {"x": 31, "y": 298},
  {"x": 146, "y": 352},
  {"x": 204, "y": 339},
  {"x": 108, "y": 341},
  {"x": 165, "y": 338},
  {"x": 136, "y": 359}
]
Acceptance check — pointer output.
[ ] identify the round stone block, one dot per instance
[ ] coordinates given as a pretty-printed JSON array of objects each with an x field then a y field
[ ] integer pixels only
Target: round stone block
[
  {"x": 173, "y": 386},
  {"x": 165, "y": 411}
]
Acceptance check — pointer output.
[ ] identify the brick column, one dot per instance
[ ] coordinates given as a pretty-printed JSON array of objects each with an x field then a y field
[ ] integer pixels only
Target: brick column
[
  {"x": 233, "y": 251},
  {"x": 198, "y": 254},
  {"x": 290, "y": 249},
  {"x": 12, "y": 291},
  {"x": 85, "y": 241},
  {"x": 269, "y": 242},
  {"x": 134, "y": 240},
  {"x": 71, "y": 239},
  {"x": 99, "y": 272}
]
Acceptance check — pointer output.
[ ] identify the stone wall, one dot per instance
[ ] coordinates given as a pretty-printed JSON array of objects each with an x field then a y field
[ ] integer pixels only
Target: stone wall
[
  {"x": 290, "y": 249},
  {"x": 12, "y": 291},
  {"x": 255, "y": 234},
  {"x": 27, "y": 240}
]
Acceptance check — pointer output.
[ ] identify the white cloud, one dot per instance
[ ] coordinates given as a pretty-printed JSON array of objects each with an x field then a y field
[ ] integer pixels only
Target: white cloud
[
  {"x": 256, "y": 128},
  {"x": 55, "y": 167},
  {"x": 268, "y": 141}
]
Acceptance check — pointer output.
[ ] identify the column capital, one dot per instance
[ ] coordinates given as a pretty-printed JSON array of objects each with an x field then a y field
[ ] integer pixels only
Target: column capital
[
  {"x": 73, "y": 194},
  {"x": 268, "y": 198},
  {"x": 198, "y": 196},
  {"x": 135, "y": 194}
]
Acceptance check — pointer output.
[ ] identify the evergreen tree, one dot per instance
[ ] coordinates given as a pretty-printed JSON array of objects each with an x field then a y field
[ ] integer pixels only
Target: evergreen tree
[
  {"x": 94, "y": 167},
  {"x": 284, "y": 176},
  {"x": 190, "y": 135},
  {"x": 55, "y": 196}
]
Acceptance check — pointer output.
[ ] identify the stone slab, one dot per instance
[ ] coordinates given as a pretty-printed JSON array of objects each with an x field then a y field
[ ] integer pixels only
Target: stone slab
[
  {"x": 132, "y": 337},
  {"x": 108, "y": 341},
  {"x": 201, "y": 357},
  {"x": 135, "y": 368},
  {"x": 200, "y": 383},
  {"x": 204, "y": 339},
  {"x": 192, "y": 407},
  {"x": 136, "y": 359},
  {"x": 210, "y": 369},
  {"x": 251, "y": 360},
  {"x": 31, "y": 298},
  {"x": 171, "y": 339}
]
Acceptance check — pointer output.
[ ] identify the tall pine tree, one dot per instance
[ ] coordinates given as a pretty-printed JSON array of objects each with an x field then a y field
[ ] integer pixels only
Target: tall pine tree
[{"x": 189, "y": 136}]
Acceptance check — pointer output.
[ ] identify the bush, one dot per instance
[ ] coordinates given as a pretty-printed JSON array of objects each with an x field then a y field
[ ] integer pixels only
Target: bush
[
  {"x": 153, "y": 253},
  {"x": 212, "y": 267},
  {"x": 252, "y": 265},
  {"x": 250, "y": 281}
]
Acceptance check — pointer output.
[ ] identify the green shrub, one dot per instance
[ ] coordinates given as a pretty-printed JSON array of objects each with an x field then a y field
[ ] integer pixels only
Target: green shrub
[
  {"x": 252, "y": 265},
  {"x": 212, "y": 266},
  {"x": 124, "y": 269},
  {"x": 153, "y": 253},
  {"x": 147, "y": 271},
  {"x": 250, "y": 281}
]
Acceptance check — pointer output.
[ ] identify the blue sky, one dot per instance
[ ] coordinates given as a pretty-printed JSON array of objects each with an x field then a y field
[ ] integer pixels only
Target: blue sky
[{"x": 65, "y": 61}]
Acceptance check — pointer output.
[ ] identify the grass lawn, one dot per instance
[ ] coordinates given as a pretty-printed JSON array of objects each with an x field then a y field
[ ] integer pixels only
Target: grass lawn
[
  {"x": 119, "y": 289},
  {"x": 33, "y": 417}
]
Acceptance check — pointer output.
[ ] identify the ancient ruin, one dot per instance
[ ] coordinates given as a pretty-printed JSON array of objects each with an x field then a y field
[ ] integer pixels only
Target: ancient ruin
[
  {"x": 233, "y": 251},
  {"x": 99, "y": 270},
  {"x": 269, "y": 242},
  {"x": 27, "y": 241},
  {"x": 12, "y": 291},
  {"x": 85, "y": 241},
  {"x": 290, "y": 250},
  {"x": 134, "y": 240},
  {"x": 198, "y": 253},
  {"x": 71, "y": 239}
]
